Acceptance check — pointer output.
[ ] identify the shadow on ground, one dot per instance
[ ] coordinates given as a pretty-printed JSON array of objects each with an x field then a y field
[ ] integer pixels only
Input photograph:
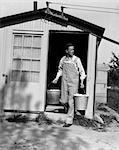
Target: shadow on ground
[{"x": 22, "y": 136}]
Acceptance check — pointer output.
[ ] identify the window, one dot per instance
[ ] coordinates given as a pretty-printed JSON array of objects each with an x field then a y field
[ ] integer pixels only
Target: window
[{"x": 26, "y": 57}]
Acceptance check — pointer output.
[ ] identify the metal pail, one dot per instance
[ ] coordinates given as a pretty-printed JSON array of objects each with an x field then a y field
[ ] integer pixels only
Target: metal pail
[
  {"x": 53, "y": 96},
  {"x": 80, "y": 101}
]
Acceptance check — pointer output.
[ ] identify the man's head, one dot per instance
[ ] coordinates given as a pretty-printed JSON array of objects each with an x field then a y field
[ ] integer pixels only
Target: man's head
[{"x": 69, "y": 49}]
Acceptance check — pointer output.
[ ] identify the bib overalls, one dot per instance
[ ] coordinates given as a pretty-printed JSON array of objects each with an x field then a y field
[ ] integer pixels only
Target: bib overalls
[{"x": 69, "y": 86}]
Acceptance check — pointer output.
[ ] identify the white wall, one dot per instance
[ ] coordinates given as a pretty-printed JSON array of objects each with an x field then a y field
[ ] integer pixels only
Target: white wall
[
  {"x": 32, "y": 96},
  {"x": 101, "y": 83},
  {"x": 110, "y": 21}
]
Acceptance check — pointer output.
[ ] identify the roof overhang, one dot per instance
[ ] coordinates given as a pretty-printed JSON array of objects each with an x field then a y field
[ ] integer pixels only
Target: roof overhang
[{"x": 53, "y": 16}]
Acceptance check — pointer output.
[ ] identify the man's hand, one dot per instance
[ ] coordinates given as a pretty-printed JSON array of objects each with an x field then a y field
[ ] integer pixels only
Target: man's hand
[
  {"x": 55, "y": 81},
  {"x": 81, "y": 85}
]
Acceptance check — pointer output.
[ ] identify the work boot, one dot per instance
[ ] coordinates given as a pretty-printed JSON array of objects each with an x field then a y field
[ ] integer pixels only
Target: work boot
[
  {"x": 66, "y": 107},
  {"x": 67, "y": 125}
]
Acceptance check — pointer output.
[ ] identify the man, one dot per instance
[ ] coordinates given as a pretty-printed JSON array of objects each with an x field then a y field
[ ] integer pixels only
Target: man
[{"x": 70, "y": 67}]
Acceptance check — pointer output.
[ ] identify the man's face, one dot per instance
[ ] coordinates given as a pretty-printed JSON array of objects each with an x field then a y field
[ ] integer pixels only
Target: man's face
[{"x": 70, "y": 51}]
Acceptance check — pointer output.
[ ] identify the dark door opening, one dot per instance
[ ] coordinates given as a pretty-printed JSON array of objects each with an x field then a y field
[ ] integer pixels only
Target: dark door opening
[{"x": 57, "y": 42}]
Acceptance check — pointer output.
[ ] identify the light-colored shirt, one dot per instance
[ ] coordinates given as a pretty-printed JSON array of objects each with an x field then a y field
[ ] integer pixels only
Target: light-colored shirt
[{"x": 76, "y": 61}]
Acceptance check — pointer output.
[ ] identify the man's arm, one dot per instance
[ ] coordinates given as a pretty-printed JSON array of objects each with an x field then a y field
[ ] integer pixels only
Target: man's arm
[
  {"x": 82, "y": 72},
  {"x": 59, "y": 73}
]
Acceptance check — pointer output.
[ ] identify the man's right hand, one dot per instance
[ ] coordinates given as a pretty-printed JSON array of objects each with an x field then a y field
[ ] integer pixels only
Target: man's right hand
[{"x": 55, "y": 81}]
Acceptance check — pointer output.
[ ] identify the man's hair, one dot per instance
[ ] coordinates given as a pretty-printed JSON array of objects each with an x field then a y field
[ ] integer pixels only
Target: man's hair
[{"x": 68, "y": 44}]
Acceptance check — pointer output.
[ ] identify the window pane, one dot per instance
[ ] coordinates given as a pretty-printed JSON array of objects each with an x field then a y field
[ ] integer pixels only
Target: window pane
[
  {"x": 17, "y": 52},
  {"x": 16, "y": 64},
  {"x": 27, "y": 41},
  {"x": 34, "y": 76},
  {"x": 37, "y": 41},
  {"x": 26, "y": 57},
  {"x": 15, "y": 76},
  {"x": 25, "y": 76},
  {"x": 26, "y": 53},
  {"x": 35, "y": 65},
  {"x": 26, "y": 64},
  {"x": 17, "y": 40},
  {"x": 36, "y": 53}
]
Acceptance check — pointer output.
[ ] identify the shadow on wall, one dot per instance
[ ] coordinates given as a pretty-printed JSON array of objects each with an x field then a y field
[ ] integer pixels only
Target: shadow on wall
[{"x": 12, "y": 94}]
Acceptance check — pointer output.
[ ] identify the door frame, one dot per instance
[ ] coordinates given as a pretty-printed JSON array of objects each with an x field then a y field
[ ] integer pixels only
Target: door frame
[{"x": 67, "y": 32}]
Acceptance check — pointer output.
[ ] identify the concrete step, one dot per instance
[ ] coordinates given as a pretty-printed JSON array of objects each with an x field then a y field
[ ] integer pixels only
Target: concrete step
[
  {"x": 56, "y": 116},
  {"x": 55, "y": 112},
  {"x": 56, "y": 108}
]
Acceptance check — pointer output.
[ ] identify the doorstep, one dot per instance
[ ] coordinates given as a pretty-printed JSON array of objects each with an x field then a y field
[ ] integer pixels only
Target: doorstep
[
  {"x": 54, "y": 108},
  {"x": 55, "y": 112},
  {"x": 56, "y": 116}
]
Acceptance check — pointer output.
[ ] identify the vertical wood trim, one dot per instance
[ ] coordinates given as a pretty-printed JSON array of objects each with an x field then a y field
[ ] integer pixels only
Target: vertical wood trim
[
  {"x": 2, "y": 80},
  {"x": 5, "y": 52},
  {"x": 90, "y": 87},
  {"x": 43, "y": 68},
  {"x": 8, "y": 49},
  {"x": 95, "y": 75}
]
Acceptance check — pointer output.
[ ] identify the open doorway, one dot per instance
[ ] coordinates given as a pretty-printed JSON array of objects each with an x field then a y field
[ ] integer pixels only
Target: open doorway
[{"x": 57, "y": 42}]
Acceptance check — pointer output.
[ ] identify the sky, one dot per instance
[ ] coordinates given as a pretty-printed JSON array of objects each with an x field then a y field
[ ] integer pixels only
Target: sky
[{"x": 109, "y": 21}]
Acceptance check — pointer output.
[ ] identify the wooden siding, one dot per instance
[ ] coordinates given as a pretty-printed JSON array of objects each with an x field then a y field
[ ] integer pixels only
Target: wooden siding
[
  {"x": 41, "y": 27},
  {"x": 101, "y": 83}
]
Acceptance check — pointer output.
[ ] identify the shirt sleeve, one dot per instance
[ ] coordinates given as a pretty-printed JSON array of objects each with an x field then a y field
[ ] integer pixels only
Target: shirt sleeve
[
  {"x": 81, "y": 69},
  {"x": 60, "y": 67}
]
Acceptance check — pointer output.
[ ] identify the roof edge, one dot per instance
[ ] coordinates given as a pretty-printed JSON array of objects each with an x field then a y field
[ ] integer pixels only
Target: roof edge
[{"x": 53, "y": 16}]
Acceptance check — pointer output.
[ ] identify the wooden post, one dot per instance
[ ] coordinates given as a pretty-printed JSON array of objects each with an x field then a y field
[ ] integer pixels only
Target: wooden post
[{"x": 90, "y": 86}]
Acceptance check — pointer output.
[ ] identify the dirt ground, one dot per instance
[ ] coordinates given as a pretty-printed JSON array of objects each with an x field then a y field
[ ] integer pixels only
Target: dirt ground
[{"x": 44, "y": 134}]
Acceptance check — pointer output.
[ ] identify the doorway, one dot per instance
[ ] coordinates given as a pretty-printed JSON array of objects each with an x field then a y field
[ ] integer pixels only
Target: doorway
[{"x": 57, "y": 42}]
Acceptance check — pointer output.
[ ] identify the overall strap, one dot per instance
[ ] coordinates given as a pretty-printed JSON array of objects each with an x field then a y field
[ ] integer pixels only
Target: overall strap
[{"x": 75, "y": 61}]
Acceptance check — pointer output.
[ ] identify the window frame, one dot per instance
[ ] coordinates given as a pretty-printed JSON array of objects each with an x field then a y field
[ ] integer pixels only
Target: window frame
[{"x": 32, "y": 34}]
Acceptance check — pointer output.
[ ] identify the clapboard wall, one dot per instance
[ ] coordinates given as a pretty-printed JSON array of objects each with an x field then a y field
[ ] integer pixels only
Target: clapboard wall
[{"x": 101, "y": 83}]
